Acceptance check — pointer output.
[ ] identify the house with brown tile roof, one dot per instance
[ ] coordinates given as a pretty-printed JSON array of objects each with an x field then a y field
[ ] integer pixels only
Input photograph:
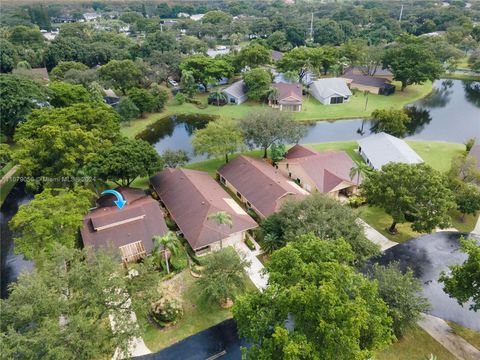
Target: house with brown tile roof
[
  {"x": 372, "y": 84},
  {"x": 288, "y": 97},
  {"x": 258, "y": 184},
  {"x": 190, "y": 197},
  {"x": 327, "y": 172},
  {"x": 130, "y": 229}
]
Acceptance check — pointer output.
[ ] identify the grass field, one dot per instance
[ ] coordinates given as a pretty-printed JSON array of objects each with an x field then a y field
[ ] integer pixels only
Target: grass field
[
  {"x": 312, "y": 109},
  {"x": 437, "y": 154},
  {"x": 415, "y": 345}
]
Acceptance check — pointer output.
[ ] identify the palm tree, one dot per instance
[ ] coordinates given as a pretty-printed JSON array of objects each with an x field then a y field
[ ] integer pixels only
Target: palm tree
[
  {"x": 218, "y": 96},
  {"x": 221, "y": 218},
  {"x": 360, "y": 168},
  {"x": 273, "y": 95},
  {"x": 165, "y": 244}
]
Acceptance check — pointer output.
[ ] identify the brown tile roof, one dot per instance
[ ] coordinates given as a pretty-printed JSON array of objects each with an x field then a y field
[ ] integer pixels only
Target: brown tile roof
[
  {"x": 260, "y": 183},
  {"x": 365, "y": 79},
  {"x": 276, "y": 55},
  {"x": 289, "y": 93},
  {"x": 190, "y": 197},
  {"x": 139, "y": 220},
  {"x": 40, "y": 72},
  {"x": 475, "y": 152},
  {"x": 327, "y": 169}
]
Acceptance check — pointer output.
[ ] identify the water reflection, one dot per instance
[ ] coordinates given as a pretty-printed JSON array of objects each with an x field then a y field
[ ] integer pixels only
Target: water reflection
[
  {"x": 472, "y": 92},
  {"x": 11, "y": 264},
  {"x": 419, "y": 118},
  {"x": 175, "y": 132},
  {"x": 440, "y": 96}
]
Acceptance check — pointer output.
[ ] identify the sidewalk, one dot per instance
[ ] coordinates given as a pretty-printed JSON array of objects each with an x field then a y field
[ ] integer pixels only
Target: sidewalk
[
  {"x": 255, "y": 269},
  {"x": 440, "y": 331},
  {"x": 136, "y": 345},
  {"x": 476, "y": 230},
  {"x": 375, "y": 237}
]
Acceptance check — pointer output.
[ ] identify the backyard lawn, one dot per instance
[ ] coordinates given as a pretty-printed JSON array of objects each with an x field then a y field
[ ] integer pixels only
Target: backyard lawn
[
  {"x": 312, "y": 110},
  {"x": 415, "y": 345},
  {"x": 198, "y": 315}
]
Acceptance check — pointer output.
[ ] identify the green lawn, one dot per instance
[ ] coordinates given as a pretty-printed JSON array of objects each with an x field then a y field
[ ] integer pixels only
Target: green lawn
[
  {"x": 415, "y": 345},
  {"x": 463, "y": 224},
  {"x": 312, "y": 109},
  {"x": 198, "y": 315},
  {"x": 472, "y": 336},
  {"x": 437, "y": 154}
]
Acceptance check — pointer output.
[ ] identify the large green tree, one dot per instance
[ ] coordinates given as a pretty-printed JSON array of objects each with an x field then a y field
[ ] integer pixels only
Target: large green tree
[
  {"x": 222, "y": 276},
  {"x": 204, "y": 68},
  {"x": 412, "y": 63},
  {"x": 18, "y": 96},
  {"x": 266, "y": 127},
  {"x": 218, "y": 138},
  {"x": 258, "y": 83},
  {"x": 59, "y": 71},
  {"x": 124, "y": 161},
  {"x": 51, "y": 219},
  {"x": 400, "y": 291},
  {"x": 417, "y": 192},
  {"x": 62, "y": 310},
  {"x": 463, "y": 281},
  {"x": 121, "y": 74},
  {"x": 64, "y": 94},
  {"x": 322, "y": 216},
  {"x": 143, "y": 99},
  {"x": 253, "y": 56},
  {"x": 55, "y": 144},
  {"x": 326, "y": 306},
  {"x": 391, "y": 121}
]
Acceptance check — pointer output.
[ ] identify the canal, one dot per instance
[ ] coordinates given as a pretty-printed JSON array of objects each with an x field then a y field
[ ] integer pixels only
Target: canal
[{"x": 450, "y": 113}]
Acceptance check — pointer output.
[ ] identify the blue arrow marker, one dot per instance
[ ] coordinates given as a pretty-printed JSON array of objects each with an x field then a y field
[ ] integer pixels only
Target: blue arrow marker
[{"x": 120, "y": 202}]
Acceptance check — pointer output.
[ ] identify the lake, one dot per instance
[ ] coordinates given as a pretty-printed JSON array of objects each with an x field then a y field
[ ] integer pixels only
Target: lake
[{"x": 450, "y": 113}]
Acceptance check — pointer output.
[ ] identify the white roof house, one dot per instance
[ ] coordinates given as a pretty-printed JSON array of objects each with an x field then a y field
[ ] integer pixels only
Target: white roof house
[
  {"x": 330, "y": 90},
  {"x": 236, "y": 92},
  {"x": 196, "y": 17},
  {"x": 382, "y": 148}
]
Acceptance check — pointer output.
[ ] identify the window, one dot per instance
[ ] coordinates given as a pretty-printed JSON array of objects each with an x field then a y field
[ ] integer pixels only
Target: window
[
  {"x": 289, "y": 174},
  {"x": 222, "y": 180},
  {"x": 287, "y": 165},
  {"x": 248, "y": 204},
  {"x": 239, "y": 195},
  {"x": 336, "y": 100}
]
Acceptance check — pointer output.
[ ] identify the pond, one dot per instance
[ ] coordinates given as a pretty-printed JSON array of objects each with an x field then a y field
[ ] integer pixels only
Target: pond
[
  {"x": 11, "y": 264},
  {"x": 450, "y": 113}
]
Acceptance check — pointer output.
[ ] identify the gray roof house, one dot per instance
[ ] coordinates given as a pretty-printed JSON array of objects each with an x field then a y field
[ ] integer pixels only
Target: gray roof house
[
  {"x": 330, "y": 90},
  {"x": 236, "y": 93},
  {"x": 382, "y": 148}
]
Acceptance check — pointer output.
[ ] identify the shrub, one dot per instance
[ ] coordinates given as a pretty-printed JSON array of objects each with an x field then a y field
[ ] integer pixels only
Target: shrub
[
  {"x": 356, "y": 201},
  {"x": 250, "y": 244},
  {"x": 170, "y": 224},
  {"x": 179, "y": 261},
  {"x": 168, "y": 310},
  {"x": 180, "y": 98}
]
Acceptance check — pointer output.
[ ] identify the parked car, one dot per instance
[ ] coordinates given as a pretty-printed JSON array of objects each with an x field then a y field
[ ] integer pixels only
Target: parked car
[{"x": 172, "y": 82}]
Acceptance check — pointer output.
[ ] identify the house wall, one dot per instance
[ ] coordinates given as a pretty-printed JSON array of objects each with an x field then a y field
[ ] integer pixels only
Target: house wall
[
  {"x": 229, "y": 241},
  {"x": 237, "y": 100},
  {"x": 297, "y": 172},
  {"x": 242, "y": 198},
  {"x": 290, "y": 107},
  {"x": 370, "y": 89},
  {"x": 365, "y": 157}
]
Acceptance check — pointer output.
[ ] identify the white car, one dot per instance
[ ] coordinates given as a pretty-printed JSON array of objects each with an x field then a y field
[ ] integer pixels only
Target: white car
[{"x": 172, "y": 82}]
